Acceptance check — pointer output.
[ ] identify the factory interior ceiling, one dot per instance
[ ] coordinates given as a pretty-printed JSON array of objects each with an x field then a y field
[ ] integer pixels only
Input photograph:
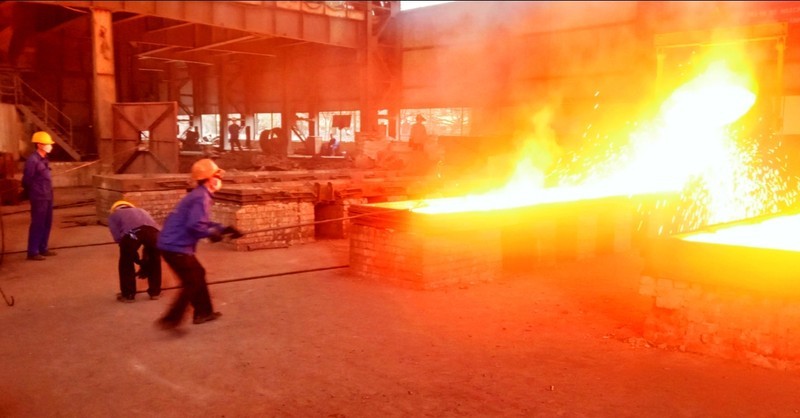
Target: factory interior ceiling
[{"x": 201, "y": 32}]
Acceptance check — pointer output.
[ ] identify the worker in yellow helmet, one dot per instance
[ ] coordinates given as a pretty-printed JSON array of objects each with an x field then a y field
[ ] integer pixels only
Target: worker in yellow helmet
[
  {"x": 187, "y": 224},
  {"x": 38, "y": 186},
  {"x": 132, "y": 228}
]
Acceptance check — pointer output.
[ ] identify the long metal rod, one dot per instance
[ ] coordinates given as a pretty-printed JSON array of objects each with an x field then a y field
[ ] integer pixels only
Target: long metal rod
[
  {"x": 69, "y": 246},
  {"x": 263, "y": 276},
  {"x": 6, "y": 299},
  {"x": 344, "y": 218}
]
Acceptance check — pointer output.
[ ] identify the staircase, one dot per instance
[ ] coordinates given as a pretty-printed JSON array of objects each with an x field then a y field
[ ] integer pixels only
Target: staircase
[{"x": 39, "y": 111}]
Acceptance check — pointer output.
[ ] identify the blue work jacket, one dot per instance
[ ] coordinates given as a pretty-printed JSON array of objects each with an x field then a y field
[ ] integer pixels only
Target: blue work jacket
[
  {"x": 36, "y": 178},
  {"x": 188, "y": 223},
  {"x": 126, "y": 219}
]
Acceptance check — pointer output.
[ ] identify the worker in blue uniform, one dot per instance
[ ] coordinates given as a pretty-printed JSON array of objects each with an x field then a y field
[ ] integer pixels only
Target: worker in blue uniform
[
  {"x": 133, "y": 228},
  {"x": 187, "y": 224},
  {"x": 38, "y": 186}
]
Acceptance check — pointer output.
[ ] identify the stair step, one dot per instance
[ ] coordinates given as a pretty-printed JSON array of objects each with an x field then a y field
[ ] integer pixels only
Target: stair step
[{"x": 37, "y": 111}]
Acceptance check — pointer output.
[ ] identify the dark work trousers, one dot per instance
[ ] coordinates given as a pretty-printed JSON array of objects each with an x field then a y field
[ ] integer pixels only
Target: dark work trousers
[
  {"x": 41, "y": 222},
  {"x": 236, "y": 144},
  {"x": 146, "y": 238},
  {"x": 194, "y": 289}
]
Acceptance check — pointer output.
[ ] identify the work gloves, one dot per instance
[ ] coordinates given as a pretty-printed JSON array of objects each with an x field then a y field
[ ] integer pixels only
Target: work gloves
[
  {"x": 232, "y": 232},
  {"x": 229, "y": 231},
  {"x": 144, "y": 265}
]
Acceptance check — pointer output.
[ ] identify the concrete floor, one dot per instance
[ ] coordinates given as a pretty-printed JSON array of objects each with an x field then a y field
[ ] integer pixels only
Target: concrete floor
[{"x": 558, "y": 341}]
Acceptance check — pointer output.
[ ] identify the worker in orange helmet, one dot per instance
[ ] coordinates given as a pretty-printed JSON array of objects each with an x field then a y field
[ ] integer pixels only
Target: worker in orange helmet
[
  {"x": 38, "y": 186},
  {"x": 187, "y": 224}
]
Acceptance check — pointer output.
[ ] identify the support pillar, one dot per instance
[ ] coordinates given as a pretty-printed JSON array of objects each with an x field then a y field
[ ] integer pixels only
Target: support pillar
[
  {"x": 224, "y": 106},
  {"x": 104, "y": 85}
]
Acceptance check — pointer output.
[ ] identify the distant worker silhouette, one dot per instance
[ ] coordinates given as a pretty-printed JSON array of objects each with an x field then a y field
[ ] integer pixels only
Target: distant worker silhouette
[
  {"x": 419, "y": 134},
  {"x": 233, "y": 130}
]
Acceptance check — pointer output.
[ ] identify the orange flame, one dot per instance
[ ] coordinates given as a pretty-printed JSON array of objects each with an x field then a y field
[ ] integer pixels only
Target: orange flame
[{"x": 688, "y": 141}]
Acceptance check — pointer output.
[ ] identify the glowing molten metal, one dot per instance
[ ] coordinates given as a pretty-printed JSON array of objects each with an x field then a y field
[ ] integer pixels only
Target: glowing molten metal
[
  {"x": 778, "y": 233},
  {"x": 688, "y": 147}
]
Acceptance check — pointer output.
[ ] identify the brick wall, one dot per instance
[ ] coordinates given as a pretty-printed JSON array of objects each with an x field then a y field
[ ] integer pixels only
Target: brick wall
[
  {"x": 259, "y": 216},
  {"x": 723, "y": 322},
  {"x": 273, "y": 224},
  {"x": 428, "y": 251},
  {"x": 550, "y": 239},
  {"x": 158, "y": 202},
  {"x": 330, "y": 214},
  {"x": 275, "y": 209},
  {"x": 424, "y": 261},
  {"x": 72, "y": 174}
]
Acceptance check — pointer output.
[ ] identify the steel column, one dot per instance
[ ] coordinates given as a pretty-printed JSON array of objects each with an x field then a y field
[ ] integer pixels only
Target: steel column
[{"x": 104, "y": 91}]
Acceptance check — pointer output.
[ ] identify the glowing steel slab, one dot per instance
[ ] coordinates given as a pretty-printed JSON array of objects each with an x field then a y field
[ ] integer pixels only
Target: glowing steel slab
[
  {"x": 779, "y": 233},
  {"x": 757, "y": 255},
  {"x": 730, "y": 290}
]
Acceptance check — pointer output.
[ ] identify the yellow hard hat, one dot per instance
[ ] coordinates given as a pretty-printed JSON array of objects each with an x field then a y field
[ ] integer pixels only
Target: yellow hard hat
[
  {"x": 42, "y": 137},
  {"x": 119, "y": 203},
  {"x": 205, "y": 169}
]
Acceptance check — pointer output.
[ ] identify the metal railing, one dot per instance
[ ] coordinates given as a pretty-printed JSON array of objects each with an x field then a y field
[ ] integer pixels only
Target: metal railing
[{"x": 14, "y": 89}]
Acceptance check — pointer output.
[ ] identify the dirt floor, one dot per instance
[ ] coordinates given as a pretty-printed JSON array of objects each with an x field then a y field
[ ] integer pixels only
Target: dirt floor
[{"x": 558, "y": 341}]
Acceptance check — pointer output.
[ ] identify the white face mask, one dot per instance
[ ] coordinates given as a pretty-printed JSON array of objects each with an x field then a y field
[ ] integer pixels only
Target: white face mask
[
  {"x": 47, "y": 148},
  {"x": 214, "y": 184}
]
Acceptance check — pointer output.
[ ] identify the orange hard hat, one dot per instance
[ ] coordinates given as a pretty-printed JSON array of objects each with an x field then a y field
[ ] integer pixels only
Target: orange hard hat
[{"x": 205, "y": 169}]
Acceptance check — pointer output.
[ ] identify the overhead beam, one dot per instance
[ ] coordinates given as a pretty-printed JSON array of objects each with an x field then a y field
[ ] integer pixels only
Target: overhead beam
[
  {"x": 155, "y": 51},
  {"x": 170, "y": 28},
  {"x": 215, "y": 45},
  {"x": 742, "y": 34},
  {"x": 176, "y": 60},
  {"x": 296, "y": 20},
  {"x": 160, "y": 48}
]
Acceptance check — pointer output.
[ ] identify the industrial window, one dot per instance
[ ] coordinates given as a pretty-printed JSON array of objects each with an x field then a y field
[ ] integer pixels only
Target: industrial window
[
  {"x": 300, "y": 127},
  {"x": 184, "y": 121},
  {"x": 209, "y": 128},
  {"x": 447, "y": 121},
  {"x": 267, "y": 121},
  {"x": 341, "y": 124}
]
